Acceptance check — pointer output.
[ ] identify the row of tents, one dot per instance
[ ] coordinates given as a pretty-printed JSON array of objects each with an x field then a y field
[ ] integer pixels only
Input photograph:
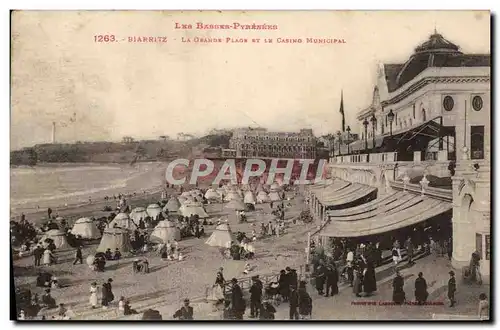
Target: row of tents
[
  {"x": 113, "y": 238},
  {"x": 119, "y": 238}
]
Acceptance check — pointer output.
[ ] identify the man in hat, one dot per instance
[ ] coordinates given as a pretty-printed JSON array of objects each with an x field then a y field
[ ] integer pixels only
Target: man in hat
[
  {"x": 255, "y": 296},
  {"x": 238, "y": 303},
  {"x": 107, "y": 293},
  {"x": 452, "y": 288},
  {"x": 294, "y": 303},
  {"x": 185, "y": 312}
]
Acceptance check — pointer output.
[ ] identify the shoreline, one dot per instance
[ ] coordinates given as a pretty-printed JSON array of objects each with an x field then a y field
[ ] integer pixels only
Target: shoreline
[{"x": 148, "y": 183}]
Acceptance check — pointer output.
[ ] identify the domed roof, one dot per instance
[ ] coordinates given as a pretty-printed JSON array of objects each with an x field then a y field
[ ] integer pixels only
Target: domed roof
[
  {"x": 429, "y": 54},
  {"x": 436, "y": 43}
]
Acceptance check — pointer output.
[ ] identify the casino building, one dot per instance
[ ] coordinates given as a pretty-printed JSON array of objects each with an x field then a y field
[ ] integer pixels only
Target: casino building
[{"x": 423, "y": 157}]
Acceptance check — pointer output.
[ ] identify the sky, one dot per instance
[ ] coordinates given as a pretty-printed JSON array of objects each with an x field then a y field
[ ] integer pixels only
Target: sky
[{"x": 97, "y": 91}]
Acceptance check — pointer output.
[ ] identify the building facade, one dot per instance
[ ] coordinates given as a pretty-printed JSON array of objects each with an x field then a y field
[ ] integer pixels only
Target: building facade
[
  {"x": 430, "y": 117},
  {"x": 261, "y": 143}
]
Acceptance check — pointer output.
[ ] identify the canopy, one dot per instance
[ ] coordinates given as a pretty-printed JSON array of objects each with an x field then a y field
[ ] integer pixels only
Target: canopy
[
  {"x": 153, "y": 210},
  {"x": 122, "y": 220},
  {"x": 138, "y": 213},
  {"x": 211, "y": 194},
  {"x": 274, "y": 196},
  {"x": 345, "y": 195},
  {"x": 275, "y": 187},
  {"x": 262, "y": 197},
  {"x": 59, "y": 238},
  {"x": 115, "y": 238},
  {"x": 249, "y": 198},
  {"x": 235, "y": 204},
  {"x": 392, "y": 212},
  {"x": 231, "y": 195},
  {"x": 172, "y": 205},
  {"x": 86, "y": 229},
  {"x": 165, "y": 231},
  {"x": 187, "y": 210},
  {"x": 222, "y": 236}
]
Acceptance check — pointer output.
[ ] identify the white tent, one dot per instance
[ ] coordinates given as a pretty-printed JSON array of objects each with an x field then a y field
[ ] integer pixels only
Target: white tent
[
  {"x": 186, "y": 200},
  {"x": 222, "y": 236},
  {"x": 186, "y": 210},
  {"x": 115, "y": 238},
  {"x": 249, "y": 198},
  {"x": 153, "y": 210},
  {"x": 59, "y": 238},
  {"x": 262, "y": 197},
  {"x": 122, "y": 220},
  {"x": 275, "y": 187},
  {"x": 235, "y": 204},
  {"x": 231, "y": 195},
  {"x": 239, "y": 192},
  {"x": 165, "y": 231},
  {"x": 86, "y": 228},
  {"x": 138, "y": 213},
  {"x": 221, "y": 191},
  {"x": 274, "y": 196},
  {"x": 172, "y": 205},
  {"x": 211, "y": 194}
]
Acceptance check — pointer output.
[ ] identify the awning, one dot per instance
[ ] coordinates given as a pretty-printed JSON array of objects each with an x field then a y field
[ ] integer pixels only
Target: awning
[
  {"x": 360, "y": 144},
  {"x": 329, "y": 191},
  {"x": 347, "y": 195},
  {"x": 392, "y": 212}
]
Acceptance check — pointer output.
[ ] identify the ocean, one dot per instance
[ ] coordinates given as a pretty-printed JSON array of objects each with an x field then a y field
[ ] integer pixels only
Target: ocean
[{"x": 57, "y": 185}]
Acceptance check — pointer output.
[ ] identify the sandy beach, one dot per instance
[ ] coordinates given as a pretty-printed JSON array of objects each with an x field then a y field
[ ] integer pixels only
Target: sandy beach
[{"x": 170, "y": 282}]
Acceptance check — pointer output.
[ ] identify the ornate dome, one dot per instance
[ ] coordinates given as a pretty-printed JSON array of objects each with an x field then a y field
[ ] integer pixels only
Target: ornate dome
[
  {"x": 436, "y": 49},
  {"x": 437, "y": 43}
]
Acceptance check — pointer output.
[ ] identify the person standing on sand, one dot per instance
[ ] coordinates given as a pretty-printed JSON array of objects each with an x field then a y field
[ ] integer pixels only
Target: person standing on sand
[
  {"x": 185, "y": 312},
  {"x": 47, "y": 257},
  {"x": 107, "y": 293},
  {"x": 452, "y": 288},
  {"x": 37, "y": 253},
  {"x": 421, "y": 293},
  {"x": 93, "y": 295},
  {"x": 79, "y": 256},
  {"x": 49, "y": 212}
]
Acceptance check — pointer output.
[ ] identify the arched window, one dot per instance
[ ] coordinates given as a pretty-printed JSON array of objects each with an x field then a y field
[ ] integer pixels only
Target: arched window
[{"x": 424, "y": 117}]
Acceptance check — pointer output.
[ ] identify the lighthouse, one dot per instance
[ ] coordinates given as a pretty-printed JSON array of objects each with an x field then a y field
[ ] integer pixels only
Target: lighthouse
[{"x": 53, "y": 132}]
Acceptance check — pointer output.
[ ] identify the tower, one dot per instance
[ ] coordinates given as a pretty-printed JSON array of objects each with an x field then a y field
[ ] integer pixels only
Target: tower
[{"x": 53, "y": 132}]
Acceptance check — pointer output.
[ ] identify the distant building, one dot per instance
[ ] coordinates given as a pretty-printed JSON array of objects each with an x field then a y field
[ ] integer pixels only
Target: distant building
[
  {"x": 259, "y": 142},
  {"x": 127, "y": 139}
]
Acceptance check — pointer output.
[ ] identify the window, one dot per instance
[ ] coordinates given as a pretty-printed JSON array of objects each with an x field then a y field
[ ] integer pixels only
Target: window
[
  {"x": 382, "y": 127},
  {"x": 448, "y": 103},
  {"x": 477, "y": 142},
  {"x": 477, "y": 103},
  {"x": 424, "y": 117},
  {"x": 413, "y": 111}
]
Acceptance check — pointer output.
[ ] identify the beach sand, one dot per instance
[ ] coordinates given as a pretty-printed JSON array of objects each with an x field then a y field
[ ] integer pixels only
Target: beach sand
[{"x": 170, "y": 282}]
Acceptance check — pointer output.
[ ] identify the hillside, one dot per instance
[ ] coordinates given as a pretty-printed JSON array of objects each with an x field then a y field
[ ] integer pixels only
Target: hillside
[{"x": 119, "y": 152}]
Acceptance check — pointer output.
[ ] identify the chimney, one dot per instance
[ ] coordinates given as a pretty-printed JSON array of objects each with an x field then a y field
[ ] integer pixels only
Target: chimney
[{"x": 53, "y": 132}]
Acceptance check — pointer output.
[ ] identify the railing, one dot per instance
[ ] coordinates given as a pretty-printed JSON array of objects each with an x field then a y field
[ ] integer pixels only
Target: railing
[
  {"x": 385, "y": 157},
  {"x": 434, "y": 192}
]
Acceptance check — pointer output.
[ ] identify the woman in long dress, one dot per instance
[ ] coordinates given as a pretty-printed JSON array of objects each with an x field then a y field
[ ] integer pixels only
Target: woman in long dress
[
  {"x": 93, "y": 295},
  {"x": 47, "y": 257}
]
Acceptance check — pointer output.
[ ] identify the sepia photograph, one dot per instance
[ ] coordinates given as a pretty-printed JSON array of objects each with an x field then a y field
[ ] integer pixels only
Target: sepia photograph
[{"x": 250, "y": 165}]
